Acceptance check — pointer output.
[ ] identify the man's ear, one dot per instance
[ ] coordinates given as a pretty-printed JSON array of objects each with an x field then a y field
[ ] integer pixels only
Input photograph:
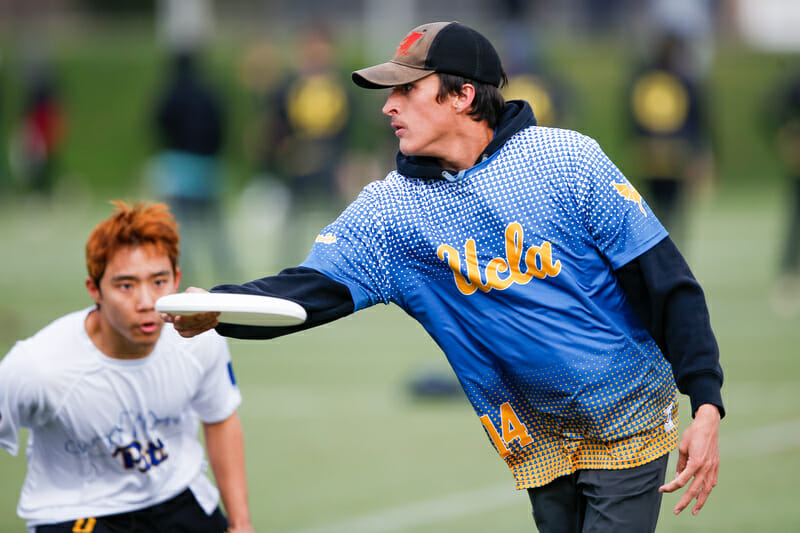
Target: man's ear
[
  {"x": 462, "y": 101},
  {"x": 94, "y": 290}
]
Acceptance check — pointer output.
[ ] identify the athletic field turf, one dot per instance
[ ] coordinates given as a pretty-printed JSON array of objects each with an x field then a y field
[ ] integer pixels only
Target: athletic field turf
[{"x": 335, "y": 444}]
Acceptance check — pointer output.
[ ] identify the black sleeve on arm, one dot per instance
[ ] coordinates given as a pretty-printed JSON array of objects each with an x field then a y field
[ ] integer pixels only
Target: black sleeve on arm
[
  {"x": 324, "y": 300},
  {"x": 670, "y": 303}
]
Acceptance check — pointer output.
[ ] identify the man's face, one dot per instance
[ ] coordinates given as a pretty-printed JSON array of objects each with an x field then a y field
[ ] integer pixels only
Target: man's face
[
  {"x": 135, "y": 277},
  {"x": 423, "y": 125}
]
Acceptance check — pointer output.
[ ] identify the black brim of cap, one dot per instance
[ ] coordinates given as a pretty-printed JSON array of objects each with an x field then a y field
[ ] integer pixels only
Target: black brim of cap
[{"x": 389, "y": 74}]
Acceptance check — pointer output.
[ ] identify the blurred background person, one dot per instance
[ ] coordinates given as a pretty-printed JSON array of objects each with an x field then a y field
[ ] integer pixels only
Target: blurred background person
[
  {"x": 39, "y": 136},
  {"x": 782, "y": 117},
  {"x": 189, "y": 122},
  {"x": 307, "y": 137},
  {"x": 668, "y": 116}
]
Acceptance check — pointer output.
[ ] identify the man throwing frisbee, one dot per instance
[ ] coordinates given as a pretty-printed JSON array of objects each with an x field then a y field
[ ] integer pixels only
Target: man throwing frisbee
[{"x": 569, "y": 316}]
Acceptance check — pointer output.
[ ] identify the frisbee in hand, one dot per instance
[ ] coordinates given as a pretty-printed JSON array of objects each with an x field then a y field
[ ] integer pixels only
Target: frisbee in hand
[{"x": 242, "y": 309}]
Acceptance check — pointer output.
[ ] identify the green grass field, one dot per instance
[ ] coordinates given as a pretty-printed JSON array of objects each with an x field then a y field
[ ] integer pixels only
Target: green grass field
[{"x": 334, "y": 443}]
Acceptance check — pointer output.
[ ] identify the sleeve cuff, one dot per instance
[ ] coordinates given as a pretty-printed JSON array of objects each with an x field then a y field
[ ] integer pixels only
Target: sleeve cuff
[{"x": 704, "y": 389}]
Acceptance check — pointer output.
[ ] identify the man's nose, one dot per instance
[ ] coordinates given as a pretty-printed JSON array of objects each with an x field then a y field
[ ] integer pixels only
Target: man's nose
[
  {"x": 147, "y": 298},
  {"x": 390, "y": 107}
]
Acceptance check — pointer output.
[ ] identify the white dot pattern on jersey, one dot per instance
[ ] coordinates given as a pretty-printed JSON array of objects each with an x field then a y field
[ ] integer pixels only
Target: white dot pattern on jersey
[{"x": 537, "y": 180}]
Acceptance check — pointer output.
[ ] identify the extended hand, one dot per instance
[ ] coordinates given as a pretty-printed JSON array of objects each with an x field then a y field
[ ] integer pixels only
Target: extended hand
[
  {"x": 191, "y": 325},
  {"x": 699, "y": 458}
]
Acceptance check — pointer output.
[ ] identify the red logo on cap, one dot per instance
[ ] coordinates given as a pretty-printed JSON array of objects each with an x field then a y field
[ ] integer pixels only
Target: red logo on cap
[{"x": 407, "y": 42}]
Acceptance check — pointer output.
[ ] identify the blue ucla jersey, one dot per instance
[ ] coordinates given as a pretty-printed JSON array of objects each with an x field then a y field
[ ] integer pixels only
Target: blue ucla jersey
[{"x": 510, "y": 269}]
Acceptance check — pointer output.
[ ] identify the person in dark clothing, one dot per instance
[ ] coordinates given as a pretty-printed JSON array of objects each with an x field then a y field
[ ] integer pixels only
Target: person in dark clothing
[
  {"x": 668, "y": 117},
  {"x": 190, "y": 115},
  {"x": 307, "y": 137},
  {"x": 41, "y": 133},
  {"x": 566, "y": 311},
  {"x": 190, "y": 123},
  {"x": 781, "y": 117}
]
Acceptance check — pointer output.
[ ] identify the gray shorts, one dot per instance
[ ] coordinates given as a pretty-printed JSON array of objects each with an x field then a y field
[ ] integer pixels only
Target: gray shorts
[{"x": 601, "y": 500}]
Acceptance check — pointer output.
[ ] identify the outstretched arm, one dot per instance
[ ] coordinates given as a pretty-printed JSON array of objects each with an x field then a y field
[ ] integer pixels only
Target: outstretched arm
[
  {"x": 225, "y": 449},
  {"x": 324, "y": 300}
]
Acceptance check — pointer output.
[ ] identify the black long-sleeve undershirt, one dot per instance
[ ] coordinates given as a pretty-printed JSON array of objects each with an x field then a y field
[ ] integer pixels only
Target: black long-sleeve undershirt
[
  {"x": 670, "y": 303},
  {"x": 324, "y": 300}
]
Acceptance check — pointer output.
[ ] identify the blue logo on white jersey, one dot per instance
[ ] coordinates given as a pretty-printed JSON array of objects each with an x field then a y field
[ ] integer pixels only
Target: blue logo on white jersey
[{"x": 230, "y": 374}]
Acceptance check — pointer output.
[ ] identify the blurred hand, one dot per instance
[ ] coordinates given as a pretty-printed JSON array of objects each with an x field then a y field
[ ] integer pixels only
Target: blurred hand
[
  {"x": 699, "y": 458},
  {"x": 191, "y": 325}
]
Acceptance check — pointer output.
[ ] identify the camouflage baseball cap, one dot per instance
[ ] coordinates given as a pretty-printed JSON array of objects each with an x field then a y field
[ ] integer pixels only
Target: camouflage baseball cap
[{"x": 447, "y": 47}]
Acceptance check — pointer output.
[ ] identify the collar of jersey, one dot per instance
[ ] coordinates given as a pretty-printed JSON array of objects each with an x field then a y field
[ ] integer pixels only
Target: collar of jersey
[
  {"x": 461, "y": 174},
  {"x": 517, "y": 115}
]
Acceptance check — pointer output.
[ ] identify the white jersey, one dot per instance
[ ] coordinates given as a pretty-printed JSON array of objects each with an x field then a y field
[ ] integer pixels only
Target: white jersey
[{"x": 109, "y": 435}]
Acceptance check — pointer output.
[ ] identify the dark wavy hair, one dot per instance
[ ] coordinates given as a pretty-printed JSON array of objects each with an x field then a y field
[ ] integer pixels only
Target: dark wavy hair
[{"x": 488, "y": 103}]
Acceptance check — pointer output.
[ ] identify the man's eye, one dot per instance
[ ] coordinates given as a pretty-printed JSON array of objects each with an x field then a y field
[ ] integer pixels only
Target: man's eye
[{"x": 407, "y": 87}]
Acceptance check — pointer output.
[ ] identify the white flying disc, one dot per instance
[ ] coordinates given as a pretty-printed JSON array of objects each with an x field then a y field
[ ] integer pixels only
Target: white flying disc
[{"x": 243, "y": 309}]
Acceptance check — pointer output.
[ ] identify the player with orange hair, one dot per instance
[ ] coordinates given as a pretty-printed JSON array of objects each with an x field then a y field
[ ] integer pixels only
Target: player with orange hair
[{"x": 112, "y": 398}]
